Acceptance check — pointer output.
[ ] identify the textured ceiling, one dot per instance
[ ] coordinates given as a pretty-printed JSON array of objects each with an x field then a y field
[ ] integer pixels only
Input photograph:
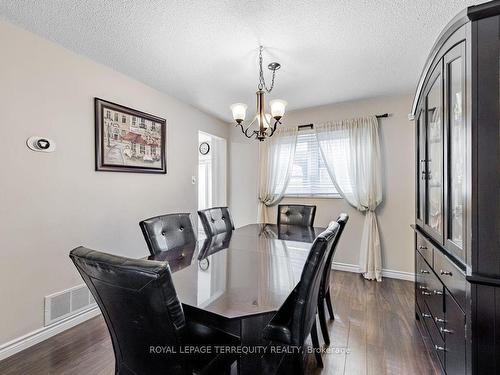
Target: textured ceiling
[{"x": 205, "y": 52}]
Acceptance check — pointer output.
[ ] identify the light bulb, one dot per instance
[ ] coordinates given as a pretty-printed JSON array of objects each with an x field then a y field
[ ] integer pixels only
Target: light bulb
[
  {"x": 277, "y": 108},
  {"x": 239, "y": 111}
]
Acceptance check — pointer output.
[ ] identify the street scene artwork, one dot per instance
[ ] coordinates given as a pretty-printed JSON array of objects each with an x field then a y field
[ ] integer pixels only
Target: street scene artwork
[{"x": 128, "y": 140}]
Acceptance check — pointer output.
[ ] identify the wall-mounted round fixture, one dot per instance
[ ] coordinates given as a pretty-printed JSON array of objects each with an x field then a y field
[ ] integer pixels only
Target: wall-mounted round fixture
[
  {"x": 204, "y": 148},
  {"x": 41, "y": 144},
  {"x": 204, "y": 264}
]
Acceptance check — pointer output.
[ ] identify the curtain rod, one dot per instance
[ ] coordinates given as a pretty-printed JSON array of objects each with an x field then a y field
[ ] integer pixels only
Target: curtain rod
[{"x": 310, "y": 126}]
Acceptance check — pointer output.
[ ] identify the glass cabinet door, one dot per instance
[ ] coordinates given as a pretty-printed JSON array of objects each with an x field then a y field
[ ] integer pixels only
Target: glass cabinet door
[
  {"x": 421, "y": 169},
  {"x": 434, "y": 175},
  {"x": 456, "y": 162}
]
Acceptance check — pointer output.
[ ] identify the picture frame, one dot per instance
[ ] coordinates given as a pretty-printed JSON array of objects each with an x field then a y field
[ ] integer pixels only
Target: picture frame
[{"x": 128, "y": 140}]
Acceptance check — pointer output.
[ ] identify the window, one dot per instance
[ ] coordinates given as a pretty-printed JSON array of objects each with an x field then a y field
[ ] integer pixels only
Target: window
[{"x": 309, "y": 174}]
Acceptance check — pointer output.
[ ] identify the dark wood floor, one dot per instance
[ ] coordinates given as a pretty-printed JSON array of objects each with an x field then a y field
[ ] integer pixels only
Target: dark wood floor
[{"x": 374, "y": 333}]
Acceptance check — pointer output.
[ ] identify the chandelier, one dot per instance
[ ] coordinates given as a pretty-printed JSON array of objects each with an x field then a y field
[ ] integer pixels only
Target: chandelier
[{"x": 263, "y": 119}]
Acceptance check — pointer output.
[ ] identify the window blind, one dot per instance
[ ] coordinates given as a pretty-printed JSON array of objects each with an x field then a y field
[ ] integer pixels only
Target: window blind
[{"x": 309, "y": 175}]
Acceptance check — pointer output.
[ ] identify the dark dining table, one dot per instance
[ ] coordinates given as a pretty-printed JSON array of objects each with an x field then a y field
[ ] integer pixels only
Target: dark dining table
[{"x": 236, "y": 281}]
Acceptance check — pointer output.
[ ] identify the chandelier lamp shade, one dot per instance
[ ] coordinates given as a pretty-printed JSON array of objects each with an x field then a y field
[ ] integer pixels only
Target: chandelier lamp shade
[{"x": 266, "y": 123}]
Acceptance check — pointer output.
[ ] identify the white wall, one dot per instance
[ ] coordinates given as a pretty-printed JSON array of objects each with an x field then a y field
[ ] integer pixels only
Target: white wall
[
  {"x": 51, "y": 203},
  {"x": 243, "y": 177},
  {"x": 396, "y": 212}
]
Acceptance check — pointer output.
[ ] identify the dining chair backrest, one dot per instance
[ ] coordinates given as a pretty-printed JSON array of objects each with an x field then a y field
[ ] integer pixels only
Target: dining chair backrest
[
  {"x": 325, "y": 282},
  {"x": 296, "y": 214},
  {"x": 216, "y": 220},
  {"x": 166, "y": 232},
  {"x": 306, "y": 292},
  {"x": 139, "y": 304}
]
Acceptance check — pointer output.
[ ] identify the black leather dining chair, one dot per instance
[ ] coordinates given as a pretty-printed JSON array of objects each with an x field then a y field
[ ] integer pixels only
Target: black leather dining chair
[
  {"x": 178, "y": 258},
  {"x": 144, "y": 317},
  {"x": 166, "y": 232},
  {"x": 216, "y": 220},
  {"x": 296, "y": 214},
  {"x": 296, "y": 319},
  {"x": 324, "y": 290}
]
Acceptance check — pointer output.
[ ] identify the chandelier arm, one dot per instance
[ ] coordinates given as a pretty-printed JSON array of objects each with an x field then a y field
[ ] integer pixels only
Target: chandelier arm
[
  {"x": 248, "y": 127},
  {"x": 243, "y": 130},
  {"x": 246, "y": 133},
  {"x": 273, "y": 129}
]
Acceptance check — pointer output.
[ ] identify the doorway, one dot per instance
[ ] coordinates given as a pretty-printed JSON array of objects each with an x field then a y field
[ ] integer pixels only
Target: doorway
[{"x": 211, "y": 172}]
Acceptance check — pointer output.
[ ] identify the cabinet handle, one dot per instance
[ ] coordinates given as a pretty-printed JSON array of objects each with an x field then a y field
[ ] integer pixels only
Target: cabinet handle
[
  {"x": 427, "y": 316},
  {"x": 444, "y": 330},
  {"x": 426, "y": 293},
  {"x": 424, "y": 271},
  {"x": 439, "y": 348},
  {"x": 447, "y": 273},
  {"x": 437, "y": 292},
  {"x": 422, "y": 247},
  {"x": 439, "y": 320}
]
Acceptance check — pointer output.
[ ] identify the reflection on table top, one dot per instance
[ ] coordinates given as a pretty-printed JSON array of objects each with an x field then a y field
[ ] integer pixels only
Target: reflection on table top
[{"x": 249, "y": 271}]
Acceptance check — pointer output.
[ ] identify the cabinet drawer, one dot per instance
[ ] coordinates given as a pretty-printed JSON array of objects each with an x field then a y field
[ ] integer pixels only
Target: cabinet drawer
[
  {"x": 451, "y": 276},
  {"x": 454, "y": 332},
  {"x": 421, "y": 282},
  {"x": 425, "y": 248},
  {"x": 434, "y": 299},
  {"x": 434, "y": 334}
]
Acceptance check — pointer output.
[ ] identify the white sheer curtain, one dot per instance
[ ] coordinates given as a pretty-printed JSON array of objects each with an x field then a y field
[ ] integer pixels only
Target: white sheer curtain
[
  {"x": 276, "y": 159},
  {"x": 351, "y": 151}
]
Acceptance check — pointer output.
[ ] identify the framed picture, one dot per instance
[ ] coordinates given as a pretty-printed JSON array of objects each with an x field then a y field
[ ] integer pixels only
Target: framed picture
[{"x": 127, "y": 140}]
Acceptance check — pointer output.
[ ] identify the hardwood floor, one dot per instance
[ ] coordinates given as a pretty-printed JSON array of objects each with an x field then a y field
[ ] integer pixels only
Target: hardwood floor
[{"x": 374, "y": 332}]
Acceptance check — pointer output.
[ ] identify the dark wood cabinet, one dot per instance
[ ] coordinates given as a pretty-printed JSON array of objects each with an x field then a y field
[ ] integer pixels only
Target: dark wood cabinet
[{"x": 457, "y": 204}]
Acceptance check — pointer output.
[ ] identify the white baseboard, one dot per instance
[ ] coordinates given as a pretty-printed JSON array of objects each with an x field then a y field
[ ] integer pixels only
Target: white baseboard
[
  {"x": 15, "y": 346},
  {"x": 345, "y": 267},
  {"x": 391, "y": 274}
]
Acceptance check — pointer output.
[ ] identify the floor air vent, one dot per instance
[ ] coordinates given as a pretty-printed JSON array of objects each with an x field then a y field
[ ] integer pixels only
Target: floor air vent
[{"x": 61, "y": 305}]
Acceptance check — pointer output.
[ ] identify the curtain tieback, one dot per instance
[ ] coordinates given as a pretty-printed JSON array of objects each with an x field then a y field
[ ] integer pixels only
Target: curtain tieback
[
  {"x": 269, "y": 201},
  {"x": 367, "y": 209},
  {"x": 265, "y": 201}
]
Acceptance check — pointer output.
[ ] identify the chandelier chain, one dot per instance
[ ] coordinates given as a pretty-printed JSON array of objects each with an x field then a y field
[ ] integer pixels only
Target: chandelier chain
[{"x": 262, "y": 81}]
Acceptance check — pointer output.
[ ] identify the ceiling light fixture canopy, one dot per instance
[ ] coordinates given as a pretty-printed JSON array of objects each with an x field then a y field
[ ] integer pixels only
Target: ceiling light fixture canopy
[{"x": 263, "y": 119}]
